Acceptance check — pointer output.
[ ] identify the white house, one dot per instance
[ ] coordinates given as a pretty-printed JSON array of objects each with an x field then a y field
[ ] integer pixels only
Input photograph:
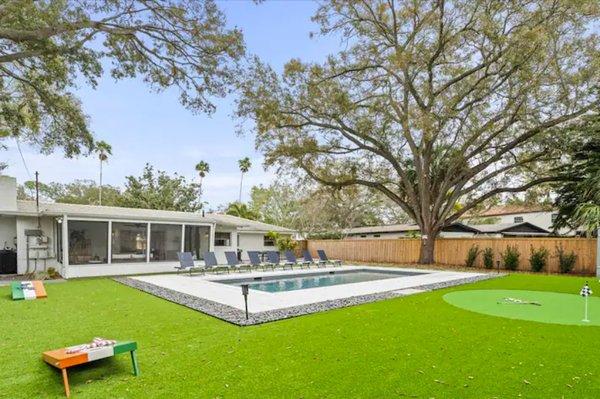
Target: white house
[
  {"x": 456, "y": 230},
  {"x": 87, "y": 240},
  {"x": 511, "y": 214}
]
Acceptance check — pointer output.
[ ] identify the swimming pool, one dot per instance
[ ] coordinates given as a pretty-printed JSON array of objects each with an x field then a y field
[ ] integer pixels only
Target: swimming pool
[{"x": 315, "y": 280}]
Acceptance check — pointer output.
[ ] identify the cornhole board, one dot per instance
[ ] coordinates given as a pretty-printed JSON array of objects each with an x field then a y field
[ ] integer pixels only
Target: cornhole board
[
  {"x": 62, "y": 360},
  {"x": 27, "y": 290}
]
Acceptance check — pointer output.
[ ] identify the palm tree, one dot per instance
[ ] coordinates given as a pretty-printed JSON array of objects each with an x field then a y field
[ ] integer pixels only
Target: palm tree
[
  {"x": 103, "y": 149},
  {"x": 245, "y": 166},
  {"x": 202, "y": 168},
  {"x": 241, "y": 210}
]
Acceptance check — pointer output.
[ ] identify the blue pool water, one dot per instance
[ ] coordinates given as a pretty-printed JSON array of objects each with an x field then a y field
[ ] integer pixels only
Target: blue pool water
[{"x": 314, "y": 280}]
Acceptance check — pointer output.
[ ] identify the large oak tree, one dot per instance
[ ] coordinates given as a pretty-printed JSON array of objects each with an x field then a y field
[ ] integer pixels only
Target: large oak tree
[
  {"x": 49, "y": 47},
  {"x": 439, "y": 105}
]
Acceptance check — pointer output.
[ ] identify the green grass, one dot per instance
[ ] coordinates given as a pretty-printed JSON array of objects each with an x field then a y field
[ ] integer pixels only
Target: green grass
[{"x": 417, "y": 346}]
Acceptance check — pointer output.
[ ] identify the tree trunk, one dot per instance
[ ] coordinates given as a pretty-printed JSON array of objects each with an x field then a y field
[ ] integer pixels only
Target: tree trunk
[
  {"x": 241, "y": 183},
  {"x": 427, "y": 248}
]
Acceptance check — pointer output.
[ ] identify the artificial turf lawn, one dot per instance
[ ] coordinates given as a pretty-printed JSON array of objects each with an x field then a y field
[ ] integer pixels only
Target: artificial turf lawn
[
  {"x": 554, "y": 307},
  {"x": 417, "y": 346}
]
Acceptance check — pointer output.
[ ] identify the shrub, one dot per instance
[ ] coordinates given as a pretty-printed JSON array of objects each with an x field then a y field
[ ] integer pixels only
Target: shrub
[
  {"x": 283, "y": 243},
  {"x": 566, "y": 261},
  {"x": 488, "y": 258},
  {"x": 510, "y": 257},
  {"x": 538, "y": 259},
  {"x": 472, "y": 256}
]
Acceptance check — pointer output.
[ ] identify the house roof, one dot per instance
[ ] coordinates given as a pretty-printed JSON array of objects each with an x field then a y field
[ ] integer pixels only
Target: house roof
[
  {"x": 400, "y": 228},
  {"x": 514, "y": 229},
  {"x": 28, "y": 208},
  {"x": 524, "y": 228},
  {"x": 247, "y": 225},
  {"x": 390, "y": 228},
  {"x": 509, "y": 210}
]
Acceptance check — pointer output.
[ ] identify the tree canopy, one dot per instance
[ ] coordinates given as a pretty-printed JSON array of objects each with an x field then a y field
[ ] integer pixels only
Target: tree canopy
[
  {"x": 578, "y": 197},
  {"x": 157, "y": 190},
  {"x": 432, "y": 103},
  {"x": 83, "y": 192},
  {"x": 48, "y": 47},
  {"x": 312, "y": 210},
  {"x": 154, "y": 189}
]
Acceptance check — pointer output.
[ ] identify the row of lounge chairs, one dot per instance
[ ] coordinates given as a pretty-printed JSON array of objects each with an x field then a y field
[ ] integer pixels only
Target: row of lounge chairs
[{"x": 186, "y": 261}]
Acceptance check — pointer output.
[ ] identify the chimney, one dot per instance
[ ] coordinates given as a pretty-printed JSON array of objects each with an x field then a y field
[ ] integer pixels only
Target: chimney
[{"x": 8, "y": 193}]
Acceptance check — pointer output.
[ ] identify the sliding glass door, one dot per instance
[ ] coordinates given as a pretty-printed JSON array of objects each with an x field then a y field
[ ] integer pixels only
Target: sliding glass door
[
  {"x": 165, "y": 242},
  {"x": 129, "y": 241},
  {"x": 197, "y": 240}
]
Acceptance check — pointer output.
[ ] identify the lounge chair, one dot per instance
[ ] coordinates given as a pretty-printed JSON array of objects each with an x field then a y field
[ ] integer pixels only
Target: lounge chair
[
  {"x": 326, "y": 260},
  {"x": 210, "y": 262},
  {"x": 255, "y": 261},
  {"x": 291, "y": 259},
  {"x": 308, "y": 258},
  {"x": 234, "y": 263},
  {"x": 186, "y": 263},
  {"x": 275, "y": 259}
]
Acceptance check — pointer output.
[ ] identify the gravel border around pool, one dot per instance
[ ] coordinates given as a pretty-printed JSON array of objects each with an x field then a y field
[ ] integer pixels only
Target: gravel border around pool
[{"x": 238, "y": 317}]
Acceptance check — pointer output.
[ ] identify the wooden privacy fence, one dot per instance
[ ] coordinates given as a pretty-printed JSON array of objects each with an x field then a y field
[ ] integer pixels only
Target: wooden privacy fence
[{"x": 453, "y": 251}]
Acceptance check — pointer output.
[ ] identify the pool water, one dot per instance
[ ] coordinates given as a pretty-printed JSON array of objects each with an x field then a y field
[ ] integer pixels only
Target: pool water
[{"x": 300, "y": 282}]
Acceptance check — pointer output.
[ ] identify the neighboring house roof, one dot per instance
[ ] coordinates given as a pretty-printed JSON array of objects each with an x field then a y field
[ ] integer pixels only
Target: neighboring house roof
[
  {"x": 509, "y": 210},
  {"x": 247, "y": 225},
  {"x": 401, "y": 228},
  {"x": 28, "y": 208},
  {"x": 390, "y": 228},
  {"x": 512, "y": 229}
]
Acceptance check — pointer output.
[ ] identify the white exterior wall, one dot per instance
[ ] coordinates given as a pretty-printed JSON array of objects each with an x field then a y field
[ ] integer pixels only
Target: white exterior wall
[
  {"x": 540, "y": 219},
  {"x": 115, "y": 269},
  {"x": 8, "y": 231},
  {"x": 252, "y": 242},
  {"x": 220, "y": 250},
  {"x": 8, "y": 193}
]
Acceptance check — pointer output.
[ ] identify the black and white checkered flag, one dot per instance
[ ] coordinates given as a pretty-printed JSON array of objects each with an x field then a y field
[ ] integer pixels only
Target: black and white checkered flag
[{"x": 585, "y": 291}]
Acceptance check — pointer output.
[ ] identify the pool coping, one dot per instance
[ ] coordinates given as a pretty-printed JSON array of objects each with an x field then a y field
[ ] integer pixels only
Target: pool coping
[{"x": 236, "y": 316}]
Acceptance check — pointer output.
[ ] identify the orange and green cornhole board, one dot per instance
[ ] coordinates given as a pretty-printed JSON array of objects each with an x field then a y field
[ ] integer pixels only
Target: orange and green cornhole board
[
  {"x": 62, "y": 360},
  {"x": 27, "y": 290}
]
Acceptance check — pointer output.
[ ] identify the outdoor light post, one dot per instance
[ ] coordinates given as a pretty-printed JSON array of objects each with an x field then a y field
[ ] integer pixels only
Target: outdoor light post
[
  {"x": 498, "y": 266},
  {"x": 245, "y": 294}
]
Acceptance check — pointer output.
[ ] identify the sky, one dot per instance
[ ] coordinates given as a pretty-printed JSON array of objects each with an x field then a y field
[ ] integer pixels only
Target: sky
[{"x": 143, "y": 126}]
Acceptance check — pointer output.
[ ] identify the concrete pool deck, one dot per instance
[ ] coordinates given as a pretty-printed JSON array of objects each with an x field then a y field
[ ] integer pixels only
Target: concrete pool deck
[{"x": 225, "y": 301}]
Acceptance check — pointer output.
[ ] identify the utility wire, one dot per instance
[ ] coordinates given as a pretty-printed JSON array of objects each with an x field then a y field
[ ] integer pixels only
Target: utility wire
[{"x": 22, "y": 157}]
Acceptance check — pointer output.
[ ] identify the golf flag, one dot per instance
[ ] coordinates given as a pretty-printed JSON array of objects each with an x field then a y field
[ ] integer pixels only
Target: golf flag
[{"x": 586, "y": 291}]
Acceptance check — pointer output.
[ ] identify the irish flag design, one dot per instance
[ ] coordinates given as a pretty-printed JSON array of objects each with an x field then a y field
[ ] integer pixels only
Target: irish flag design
[
  {"x": 74, "y": 355},
  {"x": 27, "y": 290}
]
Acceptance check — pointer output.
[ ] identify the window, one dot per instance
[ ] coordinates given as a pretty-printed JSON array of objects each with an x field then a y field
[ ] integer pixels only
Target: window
[
  {"x": 363, "y": 236},
  {"x": 165, "y": 242},
  {"x": 196, "y": 240},
  {"x": 377, "y": 235},
  {"x": 222, "y": 239},
  {"x": 88, "y": 242},
  {"x": 518, "y": 219},
  {"x": 268, "y": 241},
  {"x": 129, "y": 242}
]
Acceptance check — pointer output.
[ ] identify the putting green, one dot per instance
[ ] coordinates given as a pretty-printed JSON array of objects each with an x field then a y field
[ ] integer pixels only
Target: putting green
[{"x": 555, "y": 308}]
